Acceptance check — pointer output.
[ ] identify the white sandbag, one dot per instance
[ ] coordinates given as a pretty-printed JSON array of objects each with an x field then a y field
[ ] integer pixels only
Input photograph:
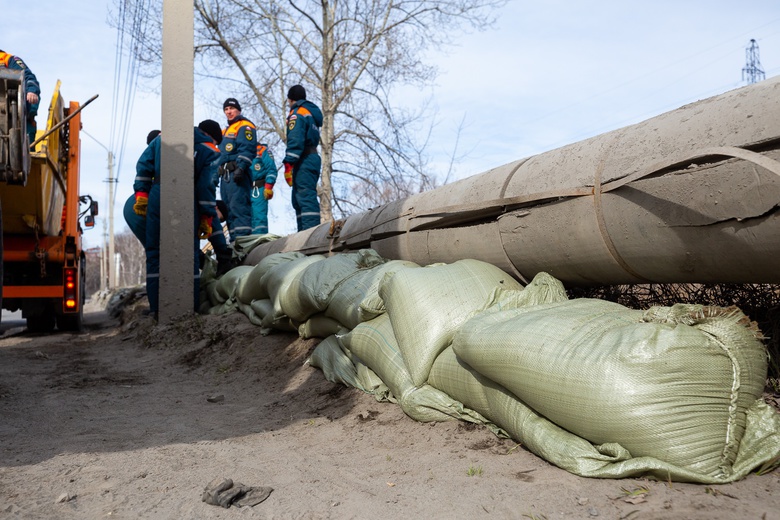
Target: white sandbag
[
  {"x": 357, "y": 298},
  {"x": 426, "y": 306},
  {"x": 250, "y": 288},
  {"x": 673, "y": 383}
]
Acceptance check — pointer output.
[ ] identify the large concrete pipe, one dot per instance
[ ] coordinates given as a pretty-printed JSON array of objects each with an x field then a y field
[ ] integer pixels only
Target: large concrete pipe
[{"x": 691, "y": 195}]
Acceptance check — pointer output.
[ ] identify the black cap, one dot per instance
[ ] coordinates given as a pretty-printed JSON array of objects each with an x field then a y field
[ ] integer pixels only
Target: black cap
[
  {"x": 231, "y": 102},
  {"x": 151, "y": 135},
  {"x": 296, "y": 93},
  {"x": 212, "y": 128}
]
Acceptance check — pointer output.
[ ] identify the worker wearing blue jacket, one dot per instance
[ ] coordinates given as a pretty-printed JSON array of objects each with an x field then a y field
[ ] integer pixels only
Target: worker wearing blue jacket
[
  {"x": 31, "y": 87},
  {"x": 239, "y": 148},
  {"x": 302, "y": 163},
  {"x": 147, "y": 203},
  {"x": 263, "y": 179}
]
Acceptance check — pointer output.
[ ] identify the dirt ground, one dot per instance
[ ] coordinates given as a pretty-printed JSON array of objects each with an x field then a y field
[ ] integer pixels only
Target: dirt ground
[{"x": 132, "y": 420}]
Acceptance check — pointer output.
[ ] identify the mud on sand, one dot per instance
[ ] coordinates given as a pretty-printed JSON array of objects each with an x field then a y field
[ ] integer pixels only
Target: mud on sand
[{"x": 132, "y": 420}]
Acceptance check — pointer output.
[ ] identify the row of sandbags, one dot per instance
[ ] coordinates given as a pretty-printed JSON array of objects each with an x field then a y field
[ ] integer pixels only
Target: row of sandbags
[{"x": 591, "y": 386}]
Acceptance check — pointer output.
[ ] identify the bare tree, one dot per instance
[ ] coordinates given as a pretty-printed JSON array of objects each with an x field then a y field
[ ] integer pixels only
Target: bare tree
[
  {"x": 132, "y": 263},
  {"x": 350, "y": 55}
]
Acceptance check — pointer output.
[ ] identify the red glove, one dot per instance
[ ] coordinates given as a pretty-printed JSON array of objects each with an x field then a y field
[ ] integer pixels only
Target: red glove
[
  {"x": 288, "y": 173},
  {"x": 141, "y": 202},
  {"x": 268, "y": 192}
]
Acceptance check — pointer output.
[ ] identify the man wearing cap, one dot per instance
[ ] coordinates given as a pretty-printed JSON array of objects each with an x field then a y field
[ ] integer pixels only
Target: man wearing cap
[
  {"x": 147, "y": 203},
  {"x": 239, "y": 148},
  {"x": 31, "y": 87},
  {"x": 301, "y": 161}
]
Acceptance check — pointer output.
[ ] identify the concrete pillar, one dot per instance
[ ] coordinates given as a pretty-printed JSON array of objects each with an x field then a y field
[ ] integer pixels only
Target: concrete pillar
[{"x": 177, "y": 185}]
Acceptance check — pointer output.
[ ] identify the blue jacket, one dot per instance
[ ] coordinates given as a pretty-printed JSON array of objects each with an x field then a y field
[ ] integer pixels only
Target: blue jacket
[
  {"x": 303, "y": 130},
  {"x": 239, "y": 143},
  {"x": 15, "y": 63},
  {"x": 263, "y": 167},
  {"x": 206, "y": 158}
]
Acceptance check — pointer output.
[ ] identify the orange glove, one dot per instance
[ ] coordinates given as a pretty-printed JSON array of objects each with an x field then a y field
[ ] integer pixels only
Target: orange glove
[
  {"x": 204, "y": 229},
  {"x": 141, "y": 202},
  {"x": 268, "y": 192},
  {"x": 288, "y": 173}
]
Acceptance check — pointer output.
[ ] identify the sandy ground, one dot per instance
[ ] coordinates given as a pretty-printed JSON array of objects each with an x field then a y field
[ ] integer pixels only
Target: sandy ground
[{"x": 132, "y": 420}]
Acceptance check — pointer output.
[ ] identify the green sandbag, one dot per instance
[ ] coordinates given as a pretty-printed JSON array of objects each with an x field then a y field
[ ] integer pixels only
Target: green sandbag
[
  {"x": 374, "y": 344},
  {"x": 228, "y": 282},
  {"x": 320, "y": 326},
  {"x": 250, "y": 313},
  {"x": 312, "y": 288},
  {"x": 262, "y": 308},
  {"x": 672, "y": 383},
  {"x": 357, "y": 298},
  {"x": 426, "y": 306},
  {"x": 280, "y": 277},
  {"x": 760, "y": 443},
  {"x": 250, "y": 288}
]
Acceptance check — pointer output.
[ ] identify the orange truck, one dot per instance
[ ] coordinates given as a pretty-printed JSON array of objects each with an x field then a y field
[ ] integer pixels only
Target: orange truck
[{"x": 43, "y": 263}]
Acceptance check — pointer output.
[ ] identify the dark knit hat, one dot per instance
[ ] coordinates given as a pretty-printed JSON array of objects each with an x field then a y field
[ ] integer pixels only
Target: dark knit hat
[
  {"x": 296, "y": 93},
  {"x": 151, "y": 135},
  {"x": 212, "y": 128},
  {"x": 231, "y": 102}
]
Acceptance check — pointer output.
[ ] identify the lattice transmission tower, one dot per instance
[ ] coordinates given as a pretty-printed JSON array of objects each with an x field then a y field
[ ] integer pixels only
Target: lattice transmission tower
[{"x": 752, "y": 72}]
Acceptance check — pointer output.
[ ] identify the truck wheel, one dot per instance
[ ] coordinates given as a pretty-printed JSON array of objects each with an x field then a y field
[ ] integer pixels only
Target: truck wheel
[{"x": 44, "y": 321}]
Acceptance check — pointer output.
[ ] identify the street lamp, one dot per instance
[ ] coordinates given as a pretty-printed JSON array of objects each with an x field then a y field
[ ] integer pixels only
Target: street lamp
[{"x": 112, "y": 282}]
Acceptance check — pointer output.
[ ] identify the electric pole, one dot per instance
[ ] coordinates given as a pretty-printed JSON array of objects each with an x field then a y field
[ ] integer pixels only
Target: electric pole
[{"x": 752, "y": 72}]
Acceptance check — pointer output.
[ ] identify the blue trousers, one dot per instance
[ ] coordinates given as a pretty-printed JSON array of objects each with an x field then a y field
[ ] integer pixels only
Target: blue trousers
[
  {"x": 153, "y": 253},
  {"x": 259, "y": 212},
  {"x": 306, "y": 172},
  {"x": 136, "y": 223},
  {"x": 237, "y": 197}
]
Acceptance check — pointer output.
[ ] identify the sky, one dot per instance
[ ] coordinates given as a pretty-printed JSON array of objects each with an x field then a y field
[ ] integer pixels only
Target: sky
[{"x": 545, "y": 75}]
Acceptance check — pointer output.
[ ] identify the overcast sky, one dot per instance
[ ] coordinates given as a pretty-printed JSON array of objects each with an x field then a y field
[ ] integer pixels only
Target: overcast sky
[{"x": 548, "y": 74}]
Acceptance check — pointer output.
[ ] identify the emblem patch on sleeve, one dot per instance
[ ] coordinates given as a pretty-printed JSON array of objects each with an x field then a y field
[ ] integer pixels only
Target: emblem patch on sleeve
[{"x": 248, "y": 134}]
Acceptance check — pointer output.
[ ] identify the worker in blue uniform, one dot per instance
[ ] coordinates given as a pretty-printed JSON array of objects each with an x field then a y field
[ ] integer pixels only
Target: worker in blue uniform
[
  {"x": 239, "y": 148},
  {"x": 147, "y": 203},
  {"x": 263, "y": 179},
  {"x": 137, "y": 223},
  {"x": 302, "y": 163},
  {"x": 31, "y": 87}
]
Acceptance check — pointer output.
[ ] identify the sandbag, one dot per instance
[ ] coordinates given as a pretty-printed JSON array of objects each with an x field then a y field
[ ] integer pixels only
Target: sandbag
[
  {"x": 673, "y": 383},
  {"x": 227, "y": 283},
  {"x": 278, "y": 279},
  {"x": 426, "y": 306},
  {"x": 320, "y": 326},
  {"x": 313, "y": 286},
  {"x": 250, "y": 288},
  {"x": 760, "y": 443},
  {"x": 373, "y": 342},
  {"x": 357, "y": 298}
]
